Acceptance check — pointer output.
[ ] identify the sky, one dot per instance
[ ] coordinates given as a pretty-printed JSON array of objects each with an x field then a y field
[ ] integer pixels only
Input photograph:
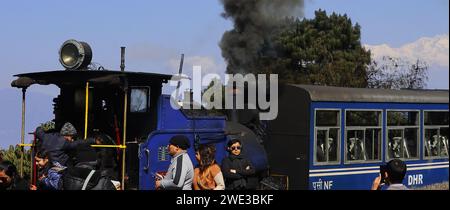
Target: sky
[{"x": 156, "y": 32}]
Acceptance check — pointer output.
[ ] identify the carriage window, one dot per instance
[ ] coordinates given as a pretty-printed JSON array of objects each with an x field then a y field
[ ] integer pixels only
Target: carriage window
[
  {"x": 327, "y": 118},
  {"x": 403, "y": 134},
  {"x": 363, "y": 135},
  {"x": 139, "y": 100},
  {"x": 398, "y": 118},
  {"x": 436, "y": 118},
  {"x": 327, "y": 136},
  {"x": 436, "y": 134}
]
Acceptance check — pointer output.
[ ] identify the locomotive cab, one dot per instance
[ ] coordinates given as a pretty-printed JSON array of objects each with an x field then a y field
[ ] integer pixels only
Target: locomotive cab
[
  {"x": 120, "y": 104},
  {"x": 93, "y": 101}
]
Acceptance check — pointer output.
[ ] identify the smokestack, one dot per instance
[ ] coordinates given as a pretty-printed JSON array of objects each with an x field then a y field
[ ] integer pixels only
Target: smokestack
[
  {"x": 255, "y": 23},
  {"x": 122, "y": 58}
]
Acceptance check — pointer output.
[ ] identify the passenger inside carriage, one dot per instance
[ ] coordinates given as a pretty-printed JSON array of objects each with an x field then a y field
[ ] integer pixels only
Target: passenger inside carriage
[
  {"x": 326, "y": 150},
  {"x": 433, "y": 143},
  {"x": 394, "y": 147},
  {"x": 332, "y": 150},
  {"x": 444, "y": 146},
  {"x": 355, "y": 149}
]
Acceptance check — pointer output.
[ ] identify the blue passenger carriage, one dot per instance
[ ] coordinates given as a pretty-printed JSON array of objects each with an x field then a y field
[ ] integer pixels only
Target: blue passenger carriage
[{"x": 336, "y": 138}]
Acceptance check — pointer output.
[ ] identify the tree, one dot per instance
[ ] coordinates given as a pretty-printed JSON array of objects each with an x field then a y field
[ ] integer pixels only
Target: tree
[
  {"x": 13, "y": 154},
  {"x": 325, "y": 50},
  {"x": 397, "y": 73}
]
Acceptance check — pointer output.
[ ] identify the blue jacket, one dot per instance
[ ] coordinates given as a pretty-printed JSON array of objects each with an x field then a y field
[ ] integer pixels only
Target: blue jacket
[
  {"x": 57, "y": 146},
  {"x": 54, "y": 174}
]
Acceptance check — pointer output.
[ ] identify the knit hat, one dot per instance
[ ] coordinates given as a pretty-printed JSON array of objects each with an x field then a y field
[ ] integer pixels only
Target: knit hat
[
  {"x": 68, "y": 130},
  {"x": 180, "y": 141}
]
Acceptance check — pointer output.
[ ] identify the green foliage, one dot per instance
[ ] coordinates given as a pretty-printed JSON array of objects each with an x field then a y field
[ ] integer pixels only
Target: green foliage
[
  {"x": 325, "y": 50},
  {"x": 397, "y": 73},
  {"x": 48, "y": 126},
  {"x": 13, "y": 154}
]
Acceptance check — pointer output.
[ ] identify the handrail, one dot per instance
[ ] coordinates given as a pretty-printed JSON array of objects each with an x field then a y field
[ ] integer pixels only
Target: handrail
[
  {"x": 110, "y": 146},
  {"x": 25, "y": 145},
  {"x": 86, "y": 110},
  {"x": 124, "y": 139}
]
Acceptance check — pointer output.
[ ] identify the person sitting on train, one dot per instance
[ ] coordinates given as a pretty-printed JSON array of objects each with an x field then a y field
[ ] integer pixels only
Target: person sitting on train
[
  {"x": 10, "y": 179},
  {"x": 392, "y": 176},
  {"x": 180, "y": 173},
  {"x": 60, "y": 144},
  {"x": 356, "y": 150},
  {"x": 238, "y": 171},
  {"x": 434, "y": 145},
  {"x": 444, "y": 146},
  {"x": 352, "y": 154},
  {"x": 394, "y": 147},
  {"x": 332, "y": 150},
  {"x": 320, "y": 153},
  {"x": 207, "y": 176},
  {"x": 49, "y": 174}
]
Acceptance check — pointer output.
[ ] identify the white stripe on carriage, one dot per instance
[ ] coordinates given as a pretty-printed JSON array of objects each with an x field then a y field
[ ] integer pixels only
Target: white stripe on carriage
[
  {"x": 427, "y": 164},
  {"x": 427, "y": 167},
  {"x": 343, "y": 169},
  {"x": 373, "y": 167},
  {"x": 373, "y": 171},
  {"x": 344, "y": 173}
]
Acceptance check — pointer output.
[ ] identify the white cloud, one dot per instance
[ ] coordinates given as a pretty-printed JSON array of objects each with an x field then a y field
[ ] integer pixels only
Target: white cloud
[{"x": 433, "y": 50}]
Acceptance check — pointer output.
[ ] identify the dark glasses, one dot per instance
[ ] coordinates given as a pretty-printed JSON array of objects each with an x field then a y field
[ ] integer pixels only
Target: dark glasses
[{"x": 236, "y": 148}]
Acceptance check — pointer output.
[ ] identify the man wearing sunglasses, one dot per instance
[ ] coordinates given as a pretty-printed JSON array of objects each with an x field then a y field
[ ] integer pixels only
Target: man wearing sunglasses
[{"x": 238, "y": 170}]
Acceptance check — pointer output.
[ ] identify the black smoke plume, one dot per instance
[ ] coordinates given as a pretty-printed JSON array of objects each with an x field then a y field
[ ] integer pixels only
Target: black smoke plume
[{"x": 255, "y": 22}]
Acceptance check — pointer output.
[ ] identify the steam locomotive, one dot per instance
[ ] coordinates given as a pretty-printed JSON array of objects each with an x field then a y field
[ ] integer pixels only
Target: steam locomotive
[{"x": 323, "y": 137}]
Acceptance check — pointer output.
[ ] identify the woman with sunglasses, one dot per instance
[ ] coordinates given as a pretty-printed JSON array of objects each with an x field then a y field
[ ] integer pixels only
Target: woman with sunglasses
[{"x": 237, "y": 170}]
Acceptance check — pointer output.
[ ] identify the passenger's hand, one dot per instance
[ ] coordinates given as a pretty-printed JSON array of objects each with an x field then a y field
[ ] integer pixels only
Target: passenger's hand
[
  {"x": 159, "y": 176},
  {"x": 33, "y": 187},
  {"x": 376, "y": 183},
  {"x": 158, "y": 184}
]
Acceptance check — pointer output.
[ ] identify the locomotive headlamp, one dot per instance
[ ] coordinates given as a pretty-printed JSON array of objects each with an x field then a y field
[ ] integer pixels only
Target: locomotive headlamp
[{"x": 75, "y": 55}]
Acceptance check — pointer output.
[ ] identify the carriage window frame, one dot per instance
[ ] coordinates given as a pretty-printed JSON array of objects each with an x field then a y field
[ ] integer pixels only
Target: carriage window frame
[
  {"x": 364, "y": 128},
  {"x": 147, "y": 108},
  {"x": 425, "y": 127},
  {"x": 317, "y": 128},
  {"x": 403, "y": 127}
]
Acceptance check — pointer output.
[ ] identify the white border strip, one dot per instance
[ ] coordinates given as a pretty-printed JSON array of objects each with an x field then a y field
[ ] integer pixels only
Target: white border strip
[
  {"x": 342, "y": 169},
  {"x": 374, "y": 167},
  {"x": 373, "y": 171},
  {"x": 427, "y": 164}
]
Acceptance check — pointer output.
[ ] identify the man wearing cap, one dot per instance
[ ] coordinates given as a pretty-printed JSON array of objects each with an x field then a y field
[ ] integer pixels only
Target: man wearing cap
[
  {"x": 180, "y": 174},
  {"x": 59, "y": 144},
  {"x": 393, "y": 176}
]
